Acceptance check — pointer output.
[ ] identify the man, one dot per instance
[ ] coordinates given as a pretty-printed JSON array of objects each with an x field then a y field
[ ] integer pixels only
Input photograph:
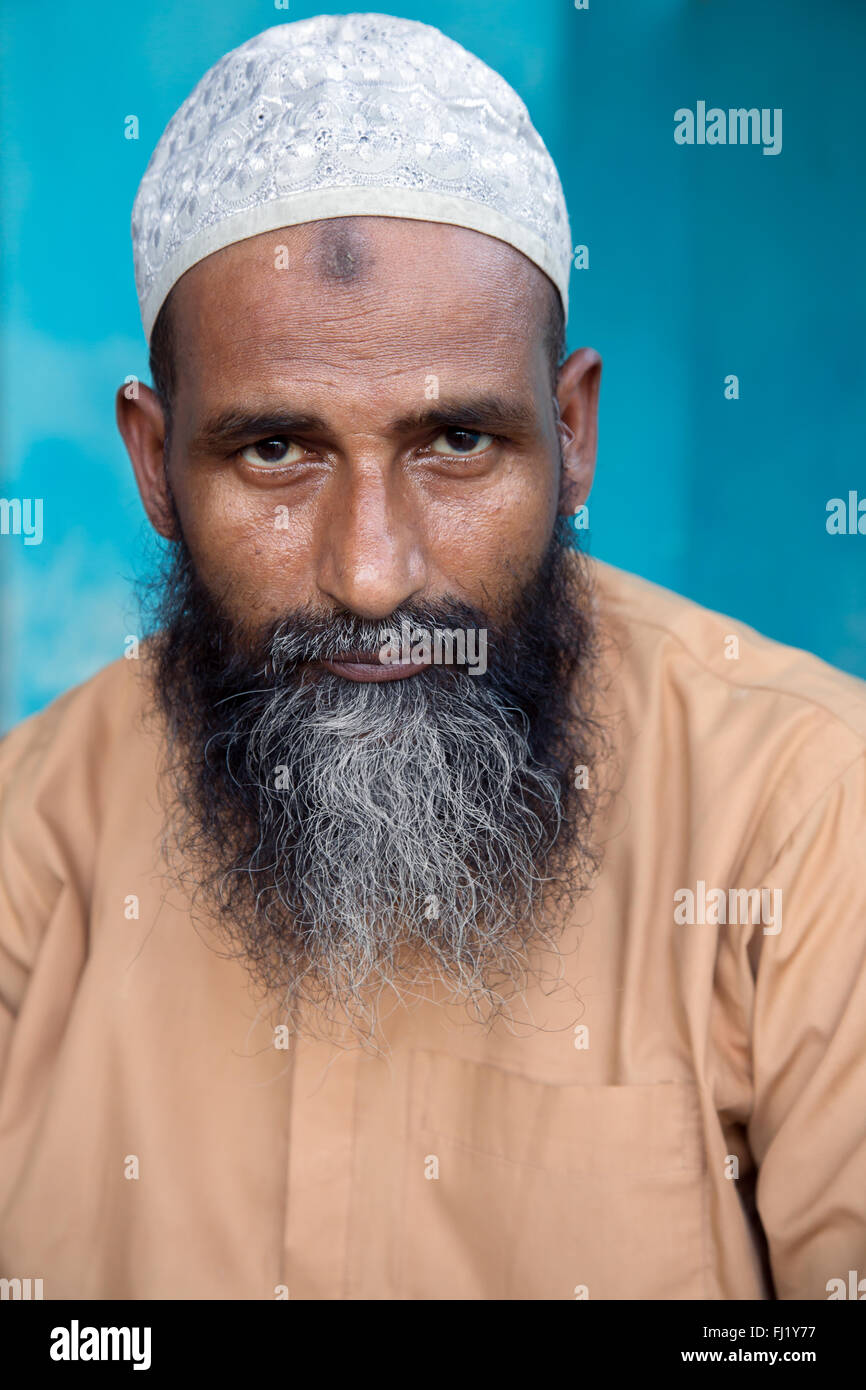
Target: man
[{"x": 429, "y": 911}]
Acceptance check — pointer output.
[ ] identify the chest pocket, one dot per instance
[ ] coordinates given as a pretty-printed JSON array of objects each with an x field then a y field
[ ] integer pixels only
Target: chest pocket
[{"x": 519, "y": 1189}]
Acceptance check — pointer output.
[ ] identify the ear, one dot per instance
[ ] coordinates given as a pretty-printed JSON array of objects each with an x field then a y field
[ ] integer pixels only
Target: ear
[
  {"x": 141, "y": 422},
  {"x": 577, "y": 391}
]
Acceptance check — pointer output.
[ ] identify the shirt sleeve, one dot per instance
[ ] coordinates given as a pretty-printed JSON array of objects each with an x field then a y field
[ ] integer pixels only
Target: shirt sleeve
[
  {"x": 15, "y": 948},
  {"x": 37, "y": 908},
  {"x": 807, "y": 1129},
  {"x": 10, "y": 988}
]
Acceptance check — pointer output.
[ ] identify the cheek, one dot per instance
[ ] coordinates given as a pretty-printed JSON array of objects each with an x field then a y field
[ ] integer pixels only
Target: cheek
[
  {"x": 488, "y": 541},
  {"x": 246, "y": 546}
]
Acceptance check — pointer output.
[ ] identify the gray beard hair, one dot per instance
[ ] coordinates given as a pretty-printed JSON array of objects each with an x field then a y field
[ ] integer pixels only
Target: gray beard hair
[{"x": 397, "y": 817}]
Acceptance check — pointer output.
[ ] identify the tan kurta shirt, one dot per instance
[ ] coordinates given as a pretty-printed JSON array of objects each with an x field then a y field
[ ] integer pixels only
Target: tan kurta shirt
[{"x": 593, "y": 1155}]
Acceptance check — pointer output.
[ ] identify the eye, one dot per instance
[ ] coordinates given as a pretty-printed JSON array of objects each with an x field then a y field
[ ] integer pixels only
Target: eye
[
  {"x": 463, "y": 442},
  {"x": 273, "y": 452}
]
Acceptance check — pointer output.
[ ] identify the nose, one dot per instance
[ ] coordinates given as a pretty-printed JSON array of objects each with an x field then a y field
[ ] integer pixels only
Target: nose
[{"x": 372, "y": 554}]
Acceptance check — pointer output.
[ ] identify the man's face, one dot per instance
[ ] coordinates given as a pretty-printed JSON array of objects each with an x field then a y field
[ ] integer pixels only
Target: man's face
[
  {"x": 366, "y": 437},
  {"x": 363, "y": 416}
]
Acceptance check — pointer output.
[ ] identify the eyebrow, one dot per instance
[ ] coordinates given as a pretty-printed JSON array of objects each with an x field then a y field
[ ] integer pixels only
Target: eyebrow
[{"x": 492, "y": 413}]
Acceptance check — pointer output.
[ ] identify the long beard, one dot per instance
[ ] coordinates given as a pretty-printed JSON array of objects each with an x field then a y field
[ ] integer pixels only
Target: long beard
[{"x": 348, "y": 837}]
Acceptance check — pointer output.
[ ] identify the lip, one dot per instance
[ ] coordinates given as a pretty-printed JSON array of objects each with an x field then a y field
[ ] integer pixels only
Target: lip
[{"x": 357, "y": 667}]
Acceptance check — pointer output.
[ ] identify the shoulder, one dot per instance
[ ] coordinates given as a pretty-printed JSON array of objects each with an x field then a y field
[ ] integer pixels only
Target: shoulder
[
  {"x": 746, "y": 725},
  {"x": 719, "y": 650},
  {"x": 79, "y": 727},
  {"x": 67, "y": 775}
]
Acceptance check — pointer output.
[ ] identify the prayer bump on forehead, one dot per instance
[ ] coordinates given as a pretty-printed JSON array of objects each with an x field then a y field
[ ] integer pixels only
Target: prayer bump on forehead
[{"x": 341, "y": 251}]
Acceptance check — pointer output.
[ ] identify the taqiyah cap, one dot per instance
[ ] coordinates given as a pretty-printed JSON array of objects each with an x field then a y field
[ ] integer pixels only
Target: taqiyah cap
[{"x": 343, "y": 115}]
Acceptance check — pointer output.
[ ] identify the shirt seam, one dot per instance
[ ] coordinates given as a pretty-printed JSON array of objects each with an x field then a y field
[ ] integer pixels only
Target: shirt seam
[{"x": 725, "y": 679}]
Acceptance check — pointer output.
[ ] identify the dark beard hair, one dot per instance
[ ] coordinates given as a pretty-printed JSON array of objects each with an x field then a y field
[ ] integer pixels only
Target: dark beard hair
[{"x": 347, "y": 838}]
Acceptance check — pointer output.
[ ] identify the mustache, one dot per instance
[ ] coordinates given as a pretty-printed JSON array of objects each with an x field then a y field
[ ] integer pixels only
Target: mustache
[{"x": 304, "y": 637}]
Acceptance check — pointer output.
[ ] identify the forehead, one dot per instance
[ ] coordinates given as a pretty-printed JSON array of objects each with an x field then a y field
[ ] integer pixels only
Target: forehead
[{"x": 360, "y": 298}]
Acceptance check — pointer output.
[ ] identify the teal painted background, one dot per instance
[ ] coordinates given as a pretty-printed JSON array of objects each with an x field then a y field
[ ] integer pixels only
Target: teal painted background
[{"x": 703, "y": 262}]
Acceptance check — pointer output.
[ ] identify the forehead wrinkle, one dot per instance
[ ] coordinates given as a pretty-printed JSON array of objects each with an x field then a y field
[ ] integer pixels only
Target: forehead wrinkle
[
  {"x": 367, "y": 325},
  {"x": 325, "y": 381},
  {"x": 473, "y": 269},
  {"x": 395, "y": 345},
  {"x": 487, "y": 285},
  {"x": 341, "y": 330}
]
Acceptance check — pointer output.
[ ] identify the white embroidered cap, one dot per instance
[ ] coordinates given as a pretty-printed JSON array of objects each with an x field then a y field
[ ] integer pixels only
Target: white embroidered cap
[{"x": 343, "y": 115}]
